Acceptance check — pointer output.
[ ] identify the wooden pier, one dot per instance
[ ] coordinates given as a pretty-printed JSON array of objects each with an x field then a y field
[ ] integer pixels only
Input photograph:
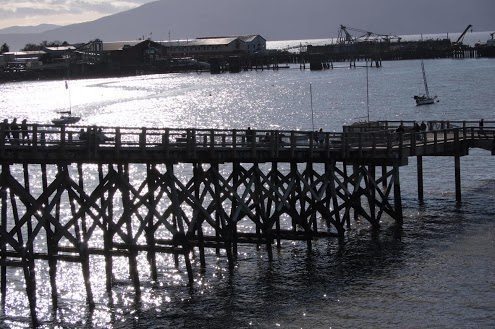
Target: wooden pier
[{"x": 181, "y": 191}]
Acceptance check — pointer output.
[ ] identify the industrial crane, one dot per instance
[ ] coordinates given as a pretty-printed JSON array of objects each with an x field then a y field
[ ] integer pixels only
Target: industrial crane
[
  {"x": 458, "y": 42},
  {"x": 345, "y": 37}
]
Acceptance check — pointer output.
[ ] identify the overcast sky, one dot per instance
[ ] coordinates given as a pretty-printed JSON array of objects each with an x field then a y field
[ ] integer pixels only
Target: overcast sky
[
  {"x": 311, "y": 18},
  {"x": 61, "y": 12}
]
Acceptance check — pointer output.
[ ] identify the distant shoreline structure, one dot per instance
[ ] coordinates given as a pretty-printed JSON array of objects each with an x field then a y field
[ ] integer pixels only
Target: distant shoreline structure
[{"x": 470, "y": 39}]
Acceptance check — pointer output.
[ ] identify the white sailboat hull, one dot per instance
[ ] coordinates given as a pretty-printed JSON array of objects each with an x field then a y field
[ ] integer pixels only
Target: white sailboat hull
[
  {"x": 65, "y": 120},
  {"x": 424, "y": 100}
]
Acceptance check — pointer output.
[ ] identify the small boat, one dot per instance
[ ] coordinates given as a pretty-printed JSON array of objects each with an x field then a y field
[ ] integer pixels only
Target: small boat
[
  {"x": 426, "y": 98},
  {"x": 66, "y": 118}
]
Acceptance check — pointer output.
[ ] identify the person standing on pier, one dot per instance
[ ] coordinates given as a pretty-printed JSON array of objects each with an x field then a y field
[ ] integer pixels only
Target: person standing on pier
[
  {"x": 25, "y": 134},
  {"x": 422, "y": 128},
  {"x": 249, "y": 135},
  {"x": 417, "y": 131},
  {"x": 14, "y": 127},
  {"x": 481, "y": 123},
  {"x": 5, "y": 129},
  {"x": 320, "y": 137}
]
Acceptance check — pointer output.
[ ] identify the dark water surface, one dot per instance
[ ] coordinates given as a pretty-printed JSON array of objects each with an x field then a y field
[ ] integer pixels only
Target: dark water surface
[{"x": 437, "y": 270}]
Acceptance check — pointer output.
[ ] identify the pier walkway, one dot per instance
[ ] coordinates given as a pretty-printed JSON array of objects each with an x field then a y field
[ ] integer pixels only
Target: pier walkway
[
  {"x": 70, "y": 193},
  {"x": 375, "y": 142}
]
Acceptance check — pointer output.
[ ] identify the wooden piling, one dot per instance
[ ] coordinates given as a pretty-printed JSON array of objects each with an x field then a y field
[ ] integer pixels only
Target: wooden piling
[
  {"x": 52, "y": 245},
  {"x": 197, "y": 173},
  {"x": 108, "y": 230},
  {"x": 384, "y": 177},
  {"x": 397, "y": 194},
  {"x": 457, "y": 161},
  {"x": 3, "y": 246},
  {"x": 81, "y": 234},
  {"x": 127, "y": 219},
  {"x": 150, "y": 231},
  {"x": 419, "y": 161}
]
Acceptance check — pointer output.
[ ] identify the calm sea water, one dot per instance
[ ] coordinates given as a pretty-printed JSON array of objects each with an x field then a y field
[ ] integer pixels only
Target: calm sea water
[{"x": 438, "y": 270}]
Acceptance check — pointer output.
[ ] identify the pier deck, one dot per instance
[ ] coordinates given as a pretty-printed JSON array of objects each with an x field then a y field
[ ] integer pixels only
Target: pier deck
[{"x": 376, "y": 143}]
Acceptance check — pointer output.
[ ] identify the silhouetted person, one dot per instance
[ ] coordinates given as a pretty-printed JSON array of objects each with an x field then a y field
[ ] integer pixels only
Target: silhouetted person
[
  {"x": 400, "y": 128},
  {"x": 266, "y": 138},
  {"x": 417, "y": 130},
  {"x": 249, "y": 135},
  {"x": 320, "y": 136},
  {"x": 6, "y": 129},
  {"x": 25, "y": 134},
  {"x": 83, "y": 136},
  {"x": 14, "y": 127},
  {"x": 481, "y": 123},
  {"x": 423, "y": 126}
]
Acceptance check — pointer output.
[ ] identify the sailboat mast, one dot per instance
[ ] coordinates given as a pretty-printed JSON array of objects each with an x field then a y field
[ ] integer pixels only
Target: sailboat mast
[
  {"x": 70, "y": 100},
  {"x": 312, "y": 114},
  {"x": 367, "y": 92},
  {"x": 424, "y": 78}
]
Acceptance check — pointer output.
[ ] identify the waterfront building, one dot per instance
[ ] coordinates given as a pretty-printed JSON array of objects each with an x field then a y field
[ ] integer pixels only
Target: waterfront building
[
  {"x": 210, "y": 47},
  {"x": 21, "y": 60}
]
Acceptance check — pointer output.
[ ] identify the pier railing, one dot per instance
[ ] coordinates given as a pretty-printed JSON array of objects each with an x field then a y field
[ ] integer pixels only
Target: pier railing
[{"x": 374, "y": 139}]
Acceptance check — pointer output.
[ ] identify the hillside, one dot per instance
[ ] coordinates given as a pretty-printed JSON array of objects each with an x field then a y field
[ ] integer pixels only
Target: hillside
[
  {"x": 275, "y": 20},
  {"x": 28, "y": 29}
]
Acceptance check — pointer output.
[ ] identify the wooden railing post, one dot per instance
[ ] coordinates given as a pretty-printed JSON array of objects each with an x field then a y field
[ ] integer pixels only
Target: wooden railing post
[
  {"x": 389, "y": 143},
  {"x": 435, "y": 140},
  {"x": 234, "y": 143},
  {"x": 212, "y": 139},
  {"x": 360, "y": 144},
  {"x": 414, "y": 136},
  {"x": 292, "y": 143},
  {"x": 252, "y": 142},
  {"x": 311, "y": 143},
  {"x": 401, "y": 144},
  {"x": 62, "y": 136},
  {"x": 192, "y": 142},
  {"x": 35, "y": 135},
  {"x": 327, "y": 144},
  {"x": 118, "y": 140},
  {"x": 234, "y": 138},
  {"x": 344, "y": 145},
  {"x": 142, "y": 139}
]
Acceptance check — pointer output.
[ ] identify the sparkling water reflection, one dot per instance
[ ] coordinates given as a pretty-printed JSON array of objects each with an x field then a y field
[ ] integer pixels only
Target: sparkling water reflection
[{"x": 435, "y": 271}]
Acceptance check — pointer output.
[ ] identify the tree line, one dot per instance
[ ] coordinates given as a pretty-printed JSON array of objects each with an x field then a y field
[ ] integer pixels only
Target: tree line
[{"x": 34, "y": 47}]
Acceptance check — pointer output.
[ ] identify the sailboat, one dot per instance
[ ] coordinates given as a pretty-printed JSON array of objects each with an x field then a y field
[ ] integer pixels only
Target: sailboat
[
  {"x": 66, "y": 116},
  {"x": 426, "y": 98}
]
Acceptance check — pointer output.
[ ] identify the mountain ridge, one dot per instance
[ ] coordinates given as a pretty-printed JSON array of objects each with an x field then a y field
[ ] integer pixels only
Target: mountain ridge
[
  {"x": 187, "y": 19},
  {"x": 29, "y": 29}
]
